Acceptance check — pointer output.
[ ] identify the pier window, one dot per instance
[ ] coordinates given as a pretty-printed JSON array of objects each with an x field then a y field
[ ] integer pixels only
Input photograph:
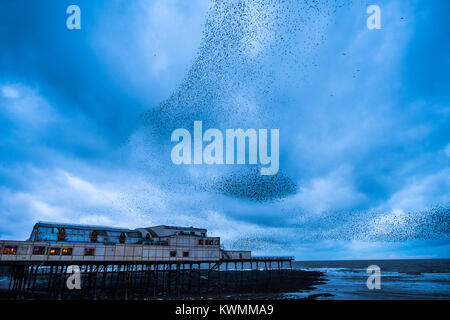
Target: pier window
[
  {"x": 89, "y": 251},
  {"x": 67, "y": 251},
  {"x": 94, "y": 236},
  {"x": 185, "y": 254},
  {"x": 62, "y": 234},
  {"x": 54, "y": 251},
  {"x": 39, "y": 250},
  {"x": 122, "y": 237},
  {"x": 10, "y": 250},
  {"x": 173, "y": 254}
]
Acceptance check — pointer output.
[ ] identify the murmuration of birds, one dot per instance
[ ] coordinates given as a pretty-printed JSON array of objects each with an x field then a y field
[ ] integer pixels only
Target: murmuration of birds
[{"x": 231, "y": 82}]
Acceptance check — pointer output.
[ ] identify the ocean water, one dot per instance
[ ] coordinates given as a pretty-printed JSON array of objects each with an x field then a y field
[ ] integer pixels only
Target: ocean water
[{"x": 400, "y": 279}]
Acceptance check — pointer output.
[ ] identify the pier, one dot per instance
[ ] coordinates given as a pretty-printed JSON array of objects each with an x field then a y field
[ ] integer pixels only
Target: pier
[{"x": 143, "y": 263}]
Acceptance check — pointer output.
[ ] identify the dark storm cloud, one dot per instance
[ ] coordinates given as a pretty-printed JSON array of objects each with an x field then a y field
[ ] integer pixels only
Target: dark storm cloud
[{"x": 37, "y": 49}]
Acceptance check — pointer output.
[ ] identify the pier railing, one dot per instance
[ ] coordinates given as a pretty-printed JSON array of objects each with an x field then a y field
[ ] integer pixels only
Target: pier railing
[{"x": 273, "y": 258}]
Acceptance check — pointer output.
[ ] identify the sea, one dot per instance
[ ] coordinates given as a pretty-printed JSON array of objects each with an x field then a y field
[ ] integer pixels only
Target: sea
[{"x": 400, "y": 280}]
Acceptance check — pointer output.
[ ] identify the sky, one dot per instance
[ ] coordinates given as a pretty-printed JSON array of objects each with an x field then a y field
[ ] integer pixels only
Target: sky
[{"x": 86, "y": 118}]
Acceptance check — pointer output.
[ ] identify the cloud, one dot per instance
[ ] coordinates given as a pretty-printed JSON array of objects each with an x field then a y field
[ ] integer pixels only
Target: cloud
[
  {"x": 332, "y": 192},
  {"x": 420, "y": 192},
  {"x": 62, "y": 196},
  {"x": 447, "y": 150},
  {"x": 25, "y": 107},
  {"x": 9, "y": 92}
]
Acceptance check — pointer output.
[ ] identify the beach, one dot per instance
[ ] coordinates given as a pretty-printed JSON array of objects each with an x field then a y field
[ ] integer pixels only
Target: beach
[{"x": 427, "y": 279}]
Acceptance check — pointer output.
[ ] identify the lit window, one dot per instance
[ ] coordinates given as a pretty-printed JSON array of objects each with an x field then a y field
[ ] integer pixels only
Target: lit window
[
  {"x": 10, "y": 250},
  {"x": 173, "y": 253},
  {"x": 67, "y": 251},
  {"x": 62, "y": 234},
  {"x": 55, "y": 251},
  {"x": 200, "y": 242},
  {"x": 89, "y": 251},
  {"x": 39, "y": 250},
  {"x": 185, "y": 254}
]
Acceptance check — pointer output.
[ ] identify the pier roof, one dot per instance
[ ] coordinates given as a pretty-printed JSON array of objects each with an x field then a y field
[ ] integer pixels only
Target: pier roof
[{"x": 80, "y": 226}]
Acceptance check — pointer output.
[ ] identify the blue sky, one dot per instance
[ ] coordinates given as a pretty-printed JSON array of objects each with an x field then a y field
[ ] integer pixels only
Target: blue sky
[{"x": 86, "y": 117}]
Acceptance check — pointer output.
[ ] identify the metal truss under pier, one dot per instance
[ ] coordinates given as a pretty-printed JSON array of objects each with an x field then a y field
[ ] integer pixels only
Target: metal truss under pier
[{"x": 146, "y": 279}]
